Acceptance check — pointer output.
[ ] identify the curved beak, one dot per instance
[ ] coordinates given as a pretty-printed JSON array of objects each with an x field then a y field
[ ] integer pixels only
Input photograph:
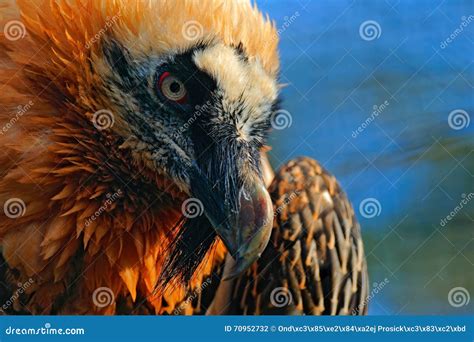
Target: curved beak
[
  {"x": 249, "y": 232},
  {"x": 242, "y": 218}
]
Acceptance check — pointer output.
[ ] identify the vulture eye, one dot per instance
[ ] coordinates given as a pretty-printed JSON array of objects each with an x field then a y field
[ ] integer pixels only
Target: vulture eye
[{"x": 172, "y": 88}]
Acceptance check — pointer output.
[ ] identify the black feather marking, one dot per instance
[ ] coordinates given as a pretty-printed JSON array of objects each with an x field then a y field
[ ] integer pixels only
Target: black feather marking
[
  {"x": 186, "y": 252},
  {"x": 119, "y": 59},
  {"x": 241, "y": 51}
]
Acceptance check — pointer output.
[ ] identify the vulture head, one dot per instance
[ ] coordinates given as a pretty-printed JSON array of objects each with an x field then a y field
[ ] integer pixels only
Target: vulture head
[
  {"x": 160, "y": 108},
  {"x": 196, "y": 112}
]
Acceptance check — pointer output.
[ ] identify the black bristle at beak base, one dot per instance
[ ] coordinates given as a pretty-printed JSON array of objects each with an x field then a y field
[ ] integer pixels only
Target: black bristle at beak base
[{"x": 187, "y": 250}]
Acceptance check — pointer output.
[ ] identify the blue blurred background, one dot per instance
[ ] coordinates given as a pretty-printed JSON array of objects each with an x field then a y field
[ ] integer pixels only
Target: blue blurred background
[{"x": 412, "y": 63}]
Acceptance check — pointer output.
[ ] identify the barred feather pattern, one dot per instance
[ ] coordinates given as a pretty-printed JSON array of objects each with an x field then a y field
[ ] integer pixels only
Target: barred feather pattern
[{"x": 315, "y": 262}]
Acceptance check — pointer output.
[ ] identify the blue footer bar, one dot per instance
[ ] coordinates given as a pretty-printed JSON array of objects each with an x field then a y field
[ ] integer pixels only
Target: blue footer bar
[{"x": 237, "y": 328}]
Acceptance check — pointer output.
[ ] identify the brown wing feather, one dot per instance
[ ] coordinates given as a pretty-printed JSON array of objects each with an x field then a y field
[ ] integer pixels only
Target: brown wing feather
[{"x": 315, "y": 261}]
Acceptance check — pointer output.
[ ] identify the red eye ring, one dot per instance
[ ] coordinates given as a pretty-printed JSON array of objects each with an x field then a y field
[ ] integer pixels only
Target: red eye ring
[{"x": 172, "y": 88}]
